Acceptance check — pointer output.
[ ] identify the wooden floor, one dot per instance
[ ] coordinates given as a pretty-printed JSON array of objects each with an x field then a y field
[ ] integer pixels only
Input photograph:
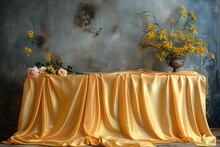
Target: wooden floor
[{"x": 215, "y": 132}]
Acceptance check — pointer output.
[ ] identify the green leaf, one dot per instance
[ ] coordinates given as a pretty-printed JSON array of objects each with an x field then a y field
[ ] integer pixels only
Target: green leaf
[
  {"x": 70, "y": 67},
  {"x": 38, "y": 64}
]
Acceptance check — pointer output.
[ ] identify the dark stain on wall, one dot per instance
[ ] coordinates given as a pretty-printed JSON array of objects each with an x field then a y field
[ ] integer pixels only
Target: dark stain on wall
[
  {"x": 85, "y": 14},
  {"x": 85, "y": 18},
  {"x": 40, "y": 40},
  {"x": 114, "y": 29}
]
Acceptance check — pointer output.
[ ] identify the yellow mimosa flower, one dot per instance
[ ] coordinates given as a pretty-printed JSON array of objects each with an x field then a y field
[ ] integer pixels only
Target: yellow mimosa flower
[
  {"x": 192, "y": 27},
  {"x": 172, "y": 35},
  {"x": 200, "y": 50},
  {"x": 163, "y": 34},
  {"x": 192, "y": 14},
  {"x": 157, "y": 55},
  {"x": 150, "y": 26},
  {"x": 180, "y": 36},
  {"x": 194, "y": 31},
  {"x": 51, "y": 70},
  {"x": 183, "y": 12},
  {"x": 190, "y": 39},
  {"x": 172, "y": 20},
  {"x": 178, "y": 39},
  {"x": 48, "y": 57},
  {"x": 169, "y": 46},
  {"x": 213, "y": 56},
  {"x": 151, "y": 34},
  {"x": 182, "y": 7},
  {"x": 27, "y": 51},
  {"x": 191, "y": 48},
  {"x": 163, "y": 53},
  {"x": 30, "y": 33}
]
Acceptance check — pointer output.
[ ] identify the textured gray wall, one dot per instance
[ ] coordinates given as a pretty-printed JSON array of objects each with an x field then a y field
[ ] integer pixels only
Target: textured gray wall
[{"x": 108, "y": 43}]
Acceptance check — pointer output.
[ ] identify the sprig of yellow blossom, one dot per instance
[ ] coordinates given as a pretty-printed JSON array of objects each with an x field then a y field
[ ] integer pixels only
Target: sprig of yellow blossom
[
  {"x": 48, "y": 57},
  {"x": 51, "y": 67},
  {"x": 27, "y": 51},
  {"x": 183, "y": 12},
  {"x": 30, "y": 33},
  {"x": 177, "y": 41}
]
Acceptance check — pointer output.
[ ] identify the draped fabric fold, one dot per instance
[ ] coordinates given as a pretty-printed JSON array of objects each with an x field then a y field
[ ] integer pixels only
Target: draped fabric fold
[{"x": 115, "y": 109}]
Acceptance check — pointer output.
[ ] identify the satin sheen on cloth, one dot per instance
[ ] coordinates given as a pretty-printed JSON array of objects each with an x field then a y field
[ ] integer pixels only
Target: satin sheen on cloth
[{"x": 132, "y": 109}]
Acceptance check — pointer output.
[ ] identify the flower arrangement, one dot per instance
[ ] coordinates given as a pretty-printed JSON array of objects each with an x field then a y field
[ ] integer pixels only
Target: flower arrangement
[
  {"x": 178, "y": 41},
  {"x": 46, "y": 65}
]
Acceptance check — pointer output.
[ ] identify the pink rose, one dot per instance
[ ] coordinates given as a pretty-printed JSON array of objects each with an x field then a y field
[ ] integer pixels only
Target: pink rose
[
  {"x": 33, "y": 72},
  {"x": 62, "y": 72}
]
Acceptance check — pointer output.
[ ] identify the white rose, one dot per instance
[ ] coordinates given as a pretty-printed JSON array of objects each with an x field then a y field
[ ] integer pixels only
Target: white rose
[
  {"x": 62, "y": 72},
  {"x": 33, "y": 72},
  {"x": 42, "y": 69}
]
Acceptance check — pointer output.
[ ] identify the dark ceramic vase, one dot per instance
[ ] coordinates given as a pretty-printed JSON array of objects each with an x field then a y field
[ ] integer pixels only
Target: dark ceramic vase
[{"x": 176, "y": 62}]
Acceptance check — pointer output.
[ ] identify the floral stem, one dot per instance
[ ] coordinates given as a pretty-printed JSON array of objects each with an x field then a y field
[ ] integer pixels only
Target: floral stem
[
  {"x": 152, "y": 16},
  {"x": 142, "y": 29},
  {"x": 177, "y": 20},
  {"x": 186, "y": 21},
  {"x": 40, "y": 57}
]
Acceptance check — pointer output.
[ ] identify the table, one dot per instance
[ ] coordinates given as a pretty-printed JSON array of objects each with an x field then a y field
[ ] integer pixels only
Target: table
[{"x": 129, "y": 108}]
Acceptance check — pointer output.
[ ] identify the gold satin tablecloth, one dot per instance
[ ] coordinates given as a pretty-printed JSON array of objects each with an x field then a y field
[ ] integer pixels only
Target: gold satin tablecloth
[{"x": 131, "y": 109}]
